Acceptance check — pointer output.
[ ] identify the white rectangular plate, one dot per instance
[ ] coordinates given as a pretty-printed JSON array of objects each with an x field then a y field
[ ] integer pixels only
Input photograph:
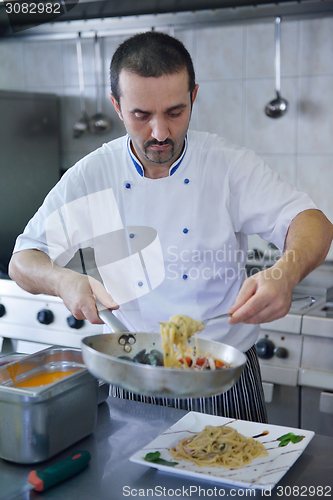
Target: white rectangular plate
[{"x": 262, "y": 472}]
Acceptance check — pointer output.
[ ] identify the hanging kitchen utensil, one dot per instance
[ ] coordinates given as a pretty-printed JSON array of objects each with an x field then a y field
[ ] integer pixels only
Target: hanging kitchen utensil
[
  {"x": 83, "y": 123},
  {"x": 99, "y": 123},
  {"x": 279, "y": 106}
]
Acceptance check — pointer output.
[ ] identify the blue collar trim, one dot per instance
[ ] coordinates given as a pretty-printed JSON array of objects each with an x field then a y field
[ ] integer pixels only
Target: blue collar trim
[{"x": 139, "y": 167}]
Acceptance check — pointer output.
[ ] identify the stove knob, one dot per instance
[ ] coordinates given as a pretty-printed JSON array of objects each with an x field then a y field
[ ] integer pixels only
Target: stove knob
[
  {"x": 2, "y": 310},
  {"x": 45, "y": 316},
  {"x": 265, "y": 348},
  {"x": 281, "y": 352},
  {"x": 75, "y": 323}
]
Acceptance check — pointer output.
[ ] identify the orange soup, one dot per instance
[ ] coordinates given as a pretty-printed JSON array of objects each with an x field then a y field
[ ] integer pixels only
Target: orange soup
[{"x": 44, "y": 379}]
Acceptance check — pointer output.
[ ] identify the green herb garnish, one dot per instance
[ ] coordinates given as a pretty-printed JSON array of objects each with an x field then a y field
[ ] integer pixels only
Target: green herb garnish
[
  {"x": 289, "y": 438},
  {"x": 154, "y": 457}
]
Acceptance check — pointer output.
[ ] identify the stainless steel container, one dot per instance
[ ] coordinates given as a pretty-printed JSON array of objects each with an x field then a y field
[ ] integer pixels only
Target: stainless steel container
[{"x": 36, "y": 423}]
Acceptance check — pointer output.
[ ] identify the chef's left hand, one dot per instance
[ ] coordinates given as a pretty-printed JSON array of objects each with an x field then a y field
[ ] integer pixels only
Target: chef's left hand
[
  {"x": 264, "y": 297},
  {"x": 267, "y": 295}
]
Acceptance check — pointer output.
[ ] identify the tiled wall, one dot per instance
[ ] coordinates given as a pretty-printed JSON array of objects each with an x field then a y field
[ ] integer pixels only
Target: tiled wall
[
  {"x": 51, "y": 66},
  {"x": 235, "y": 71}
]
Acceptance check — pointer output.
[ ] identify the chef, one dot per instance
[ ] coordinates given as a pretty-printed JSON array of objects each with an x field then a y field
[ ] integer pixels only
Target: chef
[{"x": 167, "y": 212}]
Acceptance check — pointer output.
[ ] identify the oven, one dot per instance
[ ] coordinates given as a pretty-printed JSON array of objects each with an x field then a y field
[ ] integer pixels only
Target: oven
[
  {"x": 29, "y": 323},
  {"x": 316, "y": 371},
  {"x": 279, "y": 348},
  {"x": 295, "y": 355}
]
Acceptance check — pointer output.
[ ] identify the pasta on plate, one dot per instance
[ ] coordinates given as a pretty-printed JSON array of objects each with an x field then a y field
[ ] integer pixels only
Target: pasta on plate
[{"x": 221, "y": 446}]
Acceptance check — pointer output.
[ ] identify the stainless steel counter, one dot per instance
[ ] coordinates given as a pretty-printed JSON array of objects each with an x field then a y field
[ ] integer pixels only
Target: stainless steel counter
[{"x": 124, "y": 427}]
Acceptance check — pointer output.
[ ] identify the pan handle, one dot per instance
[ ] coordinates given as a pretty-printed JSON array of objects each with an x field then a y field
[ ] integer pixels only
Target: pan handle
[{"x": 115, "y": 325}]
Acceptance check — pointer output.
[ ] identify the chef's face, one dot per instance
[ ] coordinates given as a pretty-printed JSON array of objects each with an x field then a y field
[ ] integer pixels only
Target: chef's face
[{"x": 156, "y": 113}]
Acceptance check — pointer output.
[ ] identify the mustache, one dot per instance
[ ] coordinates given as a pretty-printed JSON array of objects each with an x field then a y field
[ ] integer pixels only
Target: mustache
[{"x": 154, "y": 142}]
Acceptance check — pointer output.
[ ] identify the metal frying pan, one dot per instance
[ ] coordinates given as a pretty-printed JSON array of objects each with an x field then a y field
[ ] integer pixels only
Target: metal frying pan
[{"x": 101, "y": 356}]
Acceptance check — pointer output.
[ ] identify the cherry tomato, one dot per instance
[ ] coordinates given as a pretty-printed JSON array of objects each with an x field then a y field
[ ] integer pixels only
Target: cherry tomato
[
  {"x": 187, "y": 359},
  {"x": 201, "y": 361}
]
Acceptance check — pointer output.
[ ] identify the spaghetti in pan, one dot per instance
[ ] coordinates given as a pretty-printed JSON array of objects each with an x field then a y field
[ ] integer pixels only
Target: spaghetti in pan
[{"x": 176, "y": 352}]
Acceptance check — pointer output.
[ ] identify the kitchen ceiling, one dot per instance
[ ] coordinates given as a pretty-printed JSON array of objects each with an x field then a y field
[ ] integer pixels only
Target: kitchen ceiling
[
  {"x": 94, "y": 9},
  {"x": 222, "y": 10}
]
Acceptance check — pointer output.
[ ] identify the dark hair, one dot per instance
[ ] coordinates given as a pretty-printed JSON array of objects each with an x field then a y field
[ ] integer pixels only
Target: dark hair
[{"x": 150, "y": 54}]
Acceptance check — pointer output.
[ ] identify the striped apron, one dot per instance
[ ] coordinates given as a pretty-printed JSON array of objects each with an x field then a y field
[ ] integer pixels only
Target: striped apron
[{"x": 244, "y": 401}]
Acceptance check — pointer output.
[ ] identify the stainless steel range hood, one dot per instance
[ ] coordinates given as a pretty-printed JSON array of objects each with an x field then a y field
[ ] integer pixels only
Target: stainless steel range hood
[
  {"x": 72, "y": 14},
  {"x": 74, "y": 10},
  {"x": 94, "y": 9}
]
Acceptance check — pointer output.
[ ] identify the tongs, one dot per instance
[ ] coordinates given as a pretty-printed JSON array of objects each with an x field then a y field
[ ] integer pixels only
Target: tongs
[
  {"x": 116, "y": 326},
  {"x": 225, "y": 315}
]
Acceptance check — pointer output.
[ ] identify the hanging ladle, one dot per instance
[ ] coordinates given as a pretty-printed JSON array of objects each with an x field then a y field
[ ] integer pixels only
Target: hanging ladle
[
  {"x": 83, "y": 123},
  {"x": 99, "y": 123},
  {"x": 279, "y": 106}
]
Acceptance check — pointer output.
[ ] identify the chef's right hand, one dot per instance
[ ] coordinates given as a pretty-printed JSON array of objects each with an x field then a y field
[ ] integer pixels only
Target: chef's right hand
[
  {"x": 79, "y": 293},
  {"x": 34, "y": 271}
]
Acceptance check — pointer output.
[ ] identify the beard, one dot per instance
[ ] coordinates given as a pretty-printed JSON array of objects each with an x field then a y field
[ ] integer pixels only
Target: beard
[{"x": 159, "y": 157}]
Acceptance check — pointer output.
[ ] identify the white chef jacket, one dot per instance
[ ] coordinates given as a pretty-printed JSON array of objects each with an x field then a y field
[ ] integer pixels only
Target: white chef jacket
[{"x": 198, "y": 218}]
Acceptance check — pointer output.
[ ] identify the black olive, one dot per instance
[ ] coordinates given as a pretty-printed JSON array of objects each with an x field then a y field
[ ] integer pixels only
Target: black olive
[
  {"x": 155, "y": 358},
  {"x": 140, "y": 356}
]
